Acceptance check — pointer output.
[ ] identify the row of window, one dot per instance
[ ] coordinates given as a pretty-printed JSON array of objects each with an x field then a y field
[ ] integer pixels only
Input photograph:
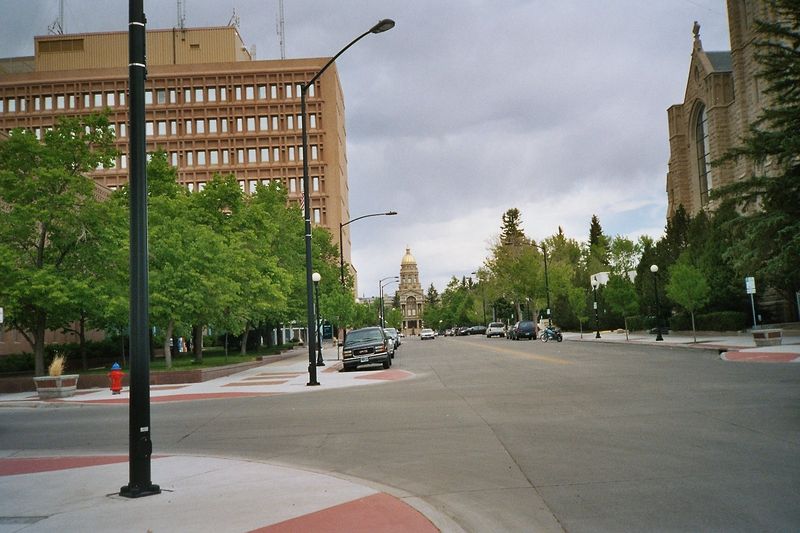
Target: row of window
[
  {"x": 202, "y": 126},
  {"x": 244, "y": 156},
  {"x": 105, "y": 99}
]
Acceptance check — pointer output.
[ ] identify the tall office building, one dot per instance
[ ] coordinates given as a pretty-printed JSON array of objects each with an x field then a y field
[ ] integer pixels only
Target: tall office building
[{"x": 209, "y": 105}]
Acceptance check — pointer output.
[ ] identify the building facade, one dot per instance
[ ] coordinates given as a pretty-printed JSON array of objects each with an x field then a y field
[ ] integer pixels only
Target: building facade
[
  {"x": 412, "y": 299},
  {"x": 209, "y": 105},
  {"x": 723, "y": 97}
]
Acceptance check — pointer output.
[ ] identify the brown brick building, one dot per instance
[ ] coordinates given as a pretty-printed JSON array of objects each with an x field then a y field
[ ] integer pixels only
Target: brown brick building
[
  {"x": 209, "y": 105},
  {"x": 723, "y": 97}
]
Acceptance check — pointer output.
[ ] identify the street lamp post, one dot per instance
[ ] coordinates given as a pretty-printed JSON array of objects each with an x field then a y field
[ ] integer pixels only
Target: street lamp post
[
  {"x": 546, "y": 285},
  {"x": 381, "y": 285},
  {"x": 595, "y": 284},
  {"x": 140, "y": 445},
  {"x": 381, "y": 26},
  {"x": 316, "y": 278},
  {"x": 341, "y": 238},
  {"x": 654, "y": 270},
  {"x": 483, "y": 296}
]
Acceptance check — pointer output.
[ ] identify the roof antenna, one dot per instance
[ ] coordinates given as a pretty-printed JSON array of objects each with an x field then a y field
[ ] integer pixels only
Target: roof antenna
[
  {"x": 281, "y": 32},
  {"x": 57, "y": 27},
  {"x": 182, "y": 14},
  {"x": 234, "y": 21}
]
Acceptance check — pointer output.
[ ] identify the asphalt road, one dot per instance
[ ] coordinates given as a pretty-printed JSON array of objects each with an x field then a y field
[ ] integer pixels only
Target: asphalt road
[{"x": 509, "y": 436}]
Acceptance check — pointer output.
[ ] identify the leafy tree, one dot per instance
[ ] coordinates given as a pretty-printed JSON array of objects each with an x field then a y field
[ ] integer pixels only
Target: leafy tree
[
  {"x": 767, "y": 230},
  {"x": 688, "y": 288},
  {"x": 48, "y": 215},
  {"x": 621, "y": 298},
  {"x": 623, "y": 255}
]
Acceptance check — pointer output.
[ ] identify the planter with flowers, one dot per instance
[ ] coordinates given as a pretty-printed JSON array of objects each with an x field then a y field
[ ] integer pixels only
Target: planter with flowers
[{"x": 56, "y": 384}]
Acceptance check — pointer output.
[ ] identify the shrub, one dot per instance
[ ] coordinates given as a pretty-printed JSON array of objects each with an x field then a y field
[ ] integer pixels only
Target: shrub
[
  {"x": 716, "y": 321},
  {"x": 722, "y": 321},
  {"x": 16, "y": 362}
]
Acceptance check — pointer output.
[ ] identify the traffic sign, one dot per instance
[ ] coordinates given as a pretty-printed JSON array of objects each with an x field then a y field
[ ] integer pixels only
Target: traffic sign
[{"x": 750, "y": 285}]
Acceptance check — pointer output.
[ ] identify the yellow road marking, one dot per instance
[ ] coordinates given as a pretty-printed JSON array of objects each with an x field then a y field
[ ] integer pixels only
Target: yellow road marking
[{"x": 546, "y": 359}]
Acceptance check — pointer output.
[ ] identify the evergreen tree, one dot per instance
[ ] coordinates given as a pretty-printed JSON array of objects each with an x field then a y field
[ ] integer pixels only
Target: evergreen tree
[
  {"x": 767, "y": 231},
  {"x": 511, "y": 233}
]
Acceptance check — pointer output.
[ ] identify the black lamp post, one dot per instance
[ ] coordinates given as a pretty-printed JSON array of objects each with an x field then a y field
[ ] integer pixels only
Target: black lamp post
[
  {"x": 595, "y": 284},
  {"x": 341, "y": 239},
  {"x": 316, "y": 278},
  {"x": 654, "y": 270},
  {"x": 381, "y": 285},
  {"x": 546, "y": 283},
  {"x": 381, "y": 26},
  {"x": 140, "y": 447},
  {"x": 483, "y": 296}
]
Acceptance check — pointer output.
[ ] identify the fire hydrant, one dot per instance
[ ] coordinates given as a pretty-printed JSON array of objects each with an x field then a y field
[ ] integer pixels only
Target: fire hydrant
[{"x": 115, "y": 377}]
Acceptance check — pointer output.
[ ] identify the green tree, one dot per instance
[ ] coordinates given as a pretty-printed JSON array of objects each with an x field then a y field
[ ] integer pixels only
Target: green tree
[
  {"x": 621, "y": 297},
  {"x": 767, "y": 229},
  {"x": 511, "y": 231},
  {"x": 48, "y": 215},
  {"x": 688, "y": 288}
]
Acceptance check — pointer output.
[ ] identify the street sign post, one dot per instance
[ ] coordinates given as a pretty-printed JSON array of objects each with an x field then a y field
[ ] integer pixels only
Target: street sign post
[{"x": 750, "y": 288}]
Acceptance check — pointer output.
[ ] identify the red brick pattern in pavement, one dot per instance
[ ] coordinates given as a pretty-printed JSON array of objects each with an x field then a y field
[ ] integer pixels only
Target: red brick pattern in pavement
[
  {"x": 761, "y": 357},
  {"x": 12, "y": 466},
  {"x": 377, "y": 513}
]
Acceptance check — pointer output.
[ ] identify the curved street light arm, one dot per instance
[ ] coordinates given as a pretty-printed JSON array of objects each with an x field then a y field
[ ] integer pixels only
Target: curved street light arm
[{"x": 381, "y": 26}]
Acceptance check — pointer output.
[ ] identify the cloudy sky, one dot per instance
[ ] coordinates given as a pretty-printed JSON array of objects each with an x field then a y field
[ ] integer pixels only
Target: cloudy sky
[{"x": 468, "y": 108}]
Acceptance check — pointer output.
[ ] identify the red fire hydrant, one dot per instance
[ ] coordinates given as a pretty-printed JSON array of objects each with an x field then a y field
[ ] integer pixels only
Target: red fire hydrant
[{"x": 115, "y": 377}]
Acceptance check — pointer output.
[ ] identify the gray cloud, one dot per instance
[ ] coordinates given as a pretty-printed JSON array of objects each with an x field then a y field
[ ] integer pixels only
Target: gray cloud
[{"x": 467, "y": 108}]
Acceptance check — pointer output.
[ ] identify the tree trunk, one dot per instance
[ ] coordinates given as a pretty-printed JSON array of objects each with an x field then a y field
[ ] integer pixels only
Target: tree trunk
[
  {"x": 243, "y": 350},
  {"x": 167, "y": 343},
  {"x": 82, "y": 340},
  {"x": 197, "y": 334},
  {"x": 38, "y": 342},
  {"x": 693, "y": 330}
]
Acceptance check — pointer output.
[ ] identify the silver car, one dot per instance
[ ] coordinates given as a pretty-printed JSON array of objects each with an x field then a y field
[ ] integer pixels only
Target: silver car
[{"x": 495, "y": 329}]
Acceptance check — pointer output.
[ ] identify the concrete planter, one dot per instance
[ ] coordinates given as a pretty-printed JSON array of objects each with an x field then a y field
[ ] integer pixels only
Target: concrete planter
[
  {"x": 56, "y": 386},
  {"x": 768, "y": 337}
]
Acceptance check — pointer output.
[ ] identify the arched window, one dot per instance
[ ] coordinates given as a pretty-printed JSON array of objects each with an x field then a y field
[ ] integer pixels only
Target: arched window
[{"x": 703, "y": 154}]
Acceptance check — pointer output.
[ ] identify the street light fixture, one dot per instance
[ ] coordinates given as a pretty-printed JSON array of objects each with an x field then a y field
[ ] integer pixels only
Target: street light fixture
[
  {"x": 341, "y": 240},
  {"x": 483, "y": 295},
  {"x": 381, "y": 285},
  {"x": 595, "y": 284},
  {"x": 546, "y": 282},
  {"x": 654, "y": 270},
  {"x": 316, "y": 278},
  {"x": 381, "y": 26}
]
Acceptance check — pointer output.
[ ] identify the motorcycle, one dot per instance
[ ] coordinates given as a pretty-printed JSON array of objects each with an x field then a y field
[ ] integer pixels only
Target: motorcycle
[{"x": 551, "y": 333}]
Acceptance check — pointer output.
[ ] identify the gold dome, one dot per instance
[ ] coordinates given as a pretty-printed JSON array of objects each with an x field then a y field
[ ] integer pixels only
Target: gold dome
[{"x": 408, "y": 259}]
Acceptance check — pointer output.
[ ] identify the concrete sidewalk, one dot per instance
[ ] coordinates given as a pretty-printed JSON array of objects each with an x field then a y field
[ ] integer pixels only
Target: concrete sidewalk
[
  {"x": 81, "y": 493},
  {"x": 738, "y": 348},
  {"x": 286, "y": 376},
  {"x": 197, "y": 494}
]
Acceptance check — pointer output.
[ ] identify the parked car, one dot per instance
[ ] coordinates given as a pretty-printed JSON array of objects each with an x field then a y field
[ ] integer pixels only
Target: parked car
[
  {"x": 524, "y": 329},
  {"x": 366, "y": 346},
  {"x": 427, "y": 333},
  {"x": 495, "y": 329},
  {"x": 477, "y": 330},
  {"x": 392, "y": 332},
  {"x": 463, "y": 330}
]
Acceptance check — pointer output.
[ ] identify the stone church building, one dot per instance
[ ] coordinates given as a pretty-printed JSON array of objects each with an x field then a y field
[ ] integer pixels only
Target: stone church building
[
  {"x": 410, "y": 295},
  {"x": 723, "y": 97}
]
